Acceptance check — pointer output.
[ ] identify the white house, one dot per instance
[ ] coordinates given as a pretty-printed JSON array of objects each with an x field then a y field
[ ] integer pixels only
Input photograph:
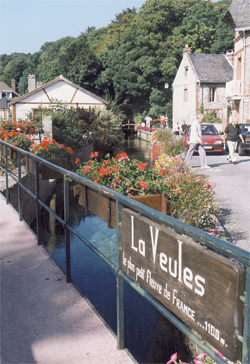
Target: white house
[
  {"x": 200, "y": 83},
  {"x": 60, "y": 89}
]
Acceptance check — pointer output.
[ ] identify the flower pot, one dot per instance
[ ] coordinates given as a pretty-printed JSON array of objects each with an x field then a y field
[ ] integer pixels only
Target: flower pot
[
  {"x": 105, "y": 208},
  {"x": 46, "y": 172}
]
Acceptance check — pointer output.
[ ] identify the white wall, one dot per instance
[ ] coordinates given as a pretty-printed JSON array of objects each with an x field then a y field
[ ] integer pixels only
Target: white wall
[{"x": 184, "y": 110}]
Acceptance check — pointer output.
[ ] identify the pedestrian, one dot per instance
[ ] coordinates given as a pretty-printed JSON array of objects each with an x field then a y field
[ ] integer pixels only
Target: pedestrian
[
  {"x": 184, "y": 127},
  {"x": 196, "y": 142},
  {"x": 148, "y": 121},
  {"x": 162, "y": 118},
  {"x": 231, "y": 135}
]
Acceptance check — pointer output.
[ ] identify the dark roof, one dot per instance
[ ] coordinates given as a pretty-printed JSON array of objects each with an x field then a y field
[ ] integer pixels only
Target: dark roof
[
  {"x": 211, "y": 68},
  {"x": 4, "y": 103},
  {"x": 238, "y": 14}
]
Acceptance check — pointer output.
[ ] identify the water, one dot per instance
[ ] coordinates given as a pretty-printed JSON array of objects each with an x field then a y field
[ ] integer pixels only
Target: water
[{"x": 148, "y": 335}]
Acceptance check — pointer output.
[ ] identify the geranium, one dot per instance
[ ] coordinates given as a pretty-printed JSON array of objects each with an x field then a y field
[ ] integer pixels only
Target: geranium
[
  {"x": 17, "y": 139},
  {"x": 129, "y": 177},
  {"x": 49, "y": 148},
  {"x": 26, "y": 127}
]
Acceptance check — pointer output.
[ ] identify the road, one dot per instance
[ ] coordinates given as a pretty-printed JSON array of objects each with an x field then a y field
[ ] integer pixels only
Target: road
[{"x": 232, "y": 187}]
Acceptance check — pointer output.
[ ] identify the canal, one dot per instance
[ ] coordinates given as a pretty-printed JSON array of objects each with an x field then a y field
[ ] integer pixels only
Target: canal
[{"x": 149, "y": 336}]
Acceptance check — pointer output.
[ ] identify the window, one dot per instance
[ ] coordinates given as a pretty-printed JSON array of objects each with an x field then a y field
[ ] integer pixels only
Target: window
[
  {"x": 185, "y": 94},
  {"x": 212, "y": 94},
  {"x": 185, "y": 71}
]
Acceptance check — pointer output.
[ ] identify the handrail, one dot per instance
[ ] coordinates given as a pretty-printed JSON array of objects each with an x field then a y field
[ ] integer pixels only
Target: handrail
[{"x": 122, "y": 201}]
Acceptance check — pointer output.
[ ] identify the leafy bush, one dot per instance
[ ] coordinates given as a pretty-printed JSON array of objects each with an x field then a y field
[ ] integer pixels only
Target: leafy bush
[
  {"x": 107, "y": 132},
  {"x": 167, "y": 142},
  {"x": 210, "y": 117}
]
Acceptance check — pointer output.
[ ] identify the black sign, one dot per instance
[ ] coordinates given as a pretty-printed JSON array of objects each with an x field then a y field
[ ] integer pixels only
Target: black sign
[{"x": 200, "y": 287}]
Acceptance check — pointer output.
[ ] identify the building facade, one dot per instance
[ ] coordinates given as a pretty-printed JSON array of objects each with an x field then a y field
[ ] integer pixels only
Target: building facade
[
  {"x": 200, "y": 86},
  {"x": 238, "y": 90}
]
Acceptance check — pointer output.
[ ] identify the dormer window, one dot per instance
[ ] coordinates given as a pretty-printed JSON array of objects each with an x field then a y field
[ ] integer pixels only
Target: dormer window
[{"x": 185, "y": 71}]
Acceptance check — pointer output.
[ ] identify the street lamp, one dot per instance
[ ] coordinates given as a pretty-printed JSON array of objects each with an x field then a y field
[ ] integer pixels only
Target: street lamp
[{"x": 166, "y": 85}]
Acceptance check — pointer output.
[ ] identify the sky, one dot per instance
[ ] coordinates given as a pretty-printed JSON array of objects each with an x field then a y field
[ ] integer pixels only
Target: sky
[{"x": 26, "y": 25}]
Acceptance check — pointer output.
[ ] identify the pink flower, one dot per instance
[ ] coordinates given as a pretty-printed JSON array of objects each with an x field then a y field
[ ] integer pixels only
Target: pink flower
[
  {"x": 173, "y": 358},
  {"x": 201, "y": 356},
  {"x": 218, "y": 353},
  {"x": 198, "y": 362}
]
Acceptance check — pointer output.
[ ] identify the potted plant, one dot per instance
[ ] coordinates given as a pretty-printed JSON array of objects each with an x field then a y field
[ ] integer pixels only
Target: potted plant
[
  {"x": 53, "y": 152},
  {"x": 129, "y": 177},
  {"x": 17, "y": 139}
]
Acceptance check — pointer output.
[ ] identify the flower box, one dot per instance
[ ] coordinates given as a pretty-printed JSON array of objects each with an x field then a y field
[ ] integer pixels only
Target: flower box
[
  {"x": 105, "y": 208},
  {"x": 46, "y": 172}
]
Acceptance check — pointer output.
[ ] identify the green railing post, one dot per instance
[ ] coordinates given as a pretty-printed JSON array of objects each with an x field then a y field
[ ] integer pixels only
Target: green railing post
[
  {"x": 119, "y": 279},
  {"x": 38, "y": 207},
  {"x": 20, "y": 206},
  {"x": 66, "y": 231},
  {"x": 6, "y": 175}
]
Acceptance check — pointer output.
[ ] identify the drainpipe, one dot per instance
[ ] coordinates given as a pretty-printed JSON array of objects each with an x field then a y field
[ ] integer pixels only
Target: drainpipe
[{"x": 243, "y": 78}]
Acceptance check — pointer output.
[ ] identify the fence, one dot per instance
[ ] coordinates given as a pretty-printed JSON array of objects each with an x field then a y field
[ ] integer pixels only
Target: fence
[{"x": 123, "y": 202}]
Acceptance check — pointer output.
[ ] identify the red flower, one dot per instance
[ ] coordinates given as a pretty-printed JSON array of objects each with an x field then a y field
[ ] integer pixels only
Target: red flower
[
  {"x": 121, "y": 156},
  {"x": 86, "y": 169},
  {"x": 69, "y": 150},
  {"x": 115, "y": 169},
  {"x": 142, "y": 166},
  {"x": 77, "y": 160},
  {"x": 94, "y": 155}
]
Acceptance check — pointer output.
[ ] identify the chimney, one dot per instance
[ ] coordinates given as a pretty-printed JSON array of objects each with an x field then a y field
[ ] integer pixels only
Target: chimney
[
  {"x": 230, "y": 57},
  {"x": 186, "y": 49},
  {"x": 13, "y": 85},
  {"x": 31, "y": 83}
]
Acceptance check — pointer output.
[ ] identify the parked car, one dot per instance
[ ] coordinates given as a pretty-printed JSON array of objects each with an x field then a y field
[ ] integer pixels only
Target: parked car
[
  {"x": 212, "y": 141},
  {"x": 244, "y": 147}
]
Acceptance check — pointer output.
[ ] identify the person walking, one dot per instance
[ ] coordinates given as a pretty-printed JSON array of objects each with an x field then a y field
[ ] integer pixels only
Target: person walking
[
  {"x": 196, "y": 142},
  {"x": 162, "y": 118},
  {"x": 231, "y": 135}
]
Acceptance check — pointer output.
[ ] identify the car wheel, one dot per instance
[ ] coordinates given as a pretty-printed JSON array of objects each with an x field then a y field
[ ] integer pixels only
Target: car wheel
[{"x": 240, "y": 151}]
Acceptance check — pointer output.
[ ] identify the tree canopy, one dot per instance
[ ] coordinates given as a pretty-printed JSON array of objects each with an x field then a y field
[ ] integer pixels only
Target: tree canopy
[{"x": 131, "y": 59}]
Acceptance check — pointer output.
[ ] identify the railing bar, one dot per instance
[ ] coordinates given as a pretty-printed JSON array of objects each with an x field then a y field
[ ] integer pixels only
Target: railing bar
[{"x": 165, "y": 312}]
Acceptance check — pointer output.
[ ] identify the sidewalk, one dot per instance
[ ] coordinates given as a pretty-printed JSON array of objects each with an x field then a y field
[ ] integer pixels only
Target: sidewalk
[{"x": 44, "y": 320}]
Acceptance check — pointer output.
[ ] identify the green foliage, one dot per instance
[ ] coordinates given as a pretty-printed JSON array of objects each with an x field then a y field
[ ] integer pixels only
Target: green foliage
[
  {"x": 133, "y": 57},
  {"x": 107, "y": 132},
  {"x": 172, "y": 145},
  {"x": 211, "y": 118}
]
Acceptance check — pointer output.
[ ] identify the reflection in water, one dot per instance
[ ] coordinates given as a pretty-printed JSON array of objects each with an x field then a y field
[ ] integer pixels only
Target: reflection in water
[
  {"x": 137, "y": 148},
  {"x": 149, "y": 336}
]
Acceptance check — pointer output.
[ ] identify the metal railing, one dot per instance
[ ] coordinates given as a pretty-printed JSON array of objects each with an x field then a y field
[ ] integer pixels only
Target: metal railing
[{"x": 218, "y": 245}]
